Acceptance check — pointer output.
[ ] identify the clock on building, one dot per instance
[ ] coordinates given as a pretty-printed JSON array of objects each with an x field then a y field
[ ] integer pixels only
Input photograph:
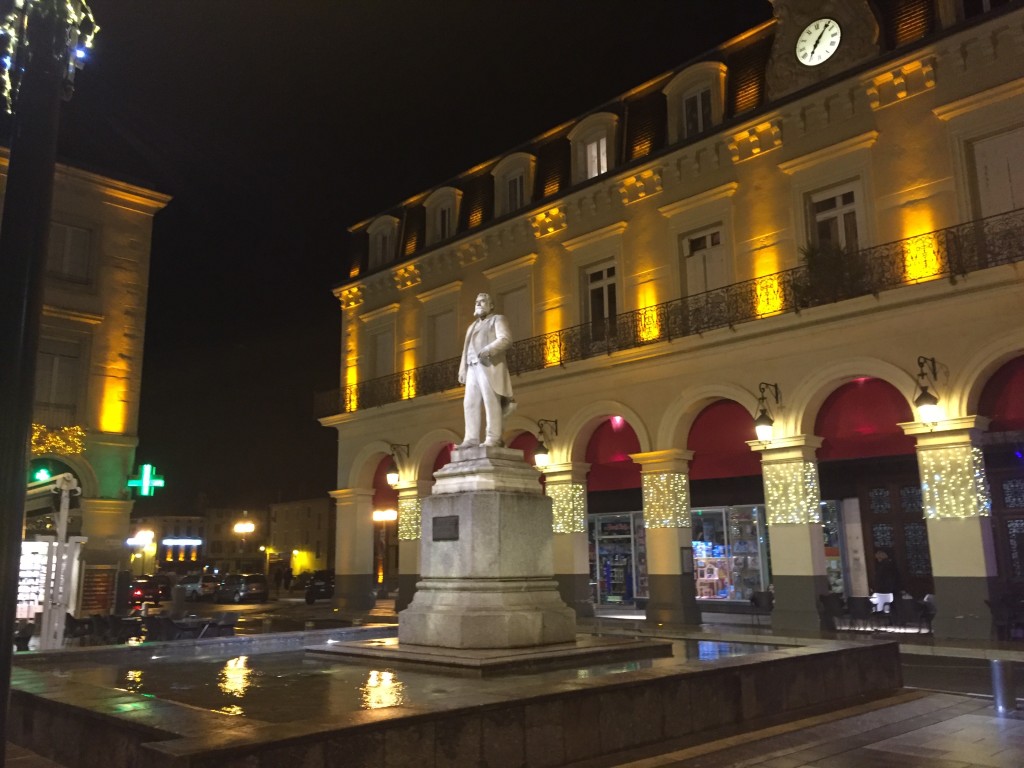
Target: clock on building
[{"x": 819, "y": 40}]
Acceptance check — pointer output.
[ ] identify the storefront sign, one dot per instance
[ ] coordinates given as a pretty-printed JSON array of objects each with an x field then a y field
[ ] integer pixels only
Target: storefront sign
[
  {"x": 446, "y": 528},
  {"x": 615, "y": 528}
]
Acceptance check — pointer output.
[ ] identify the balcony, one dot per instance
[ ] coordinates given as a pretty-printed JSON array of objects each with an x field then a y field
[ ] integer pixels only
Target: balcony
[{"x": 824, "y": 278}]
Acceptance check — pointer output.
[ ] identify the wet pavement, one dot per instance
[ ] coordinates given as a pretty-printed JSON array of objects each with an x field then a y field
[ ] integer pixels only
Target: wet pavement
[{"x": 956, "y": 728}]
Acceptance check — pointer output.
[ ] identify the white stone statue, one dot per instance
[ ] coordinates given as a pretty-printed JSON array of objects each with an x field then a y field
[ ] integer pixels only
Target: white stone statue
[{"x": 484, "y": 372}]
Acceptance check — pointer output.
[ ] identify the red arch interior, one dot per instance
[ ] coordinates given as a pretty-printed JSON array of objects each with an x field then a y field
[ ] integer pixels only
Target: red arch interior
[
  {"x": 608, "y": 451},
  {"x": 718, "y": 439},
  {"x": 1002, "y": 399},
  {"x": 860, "y": 419}
]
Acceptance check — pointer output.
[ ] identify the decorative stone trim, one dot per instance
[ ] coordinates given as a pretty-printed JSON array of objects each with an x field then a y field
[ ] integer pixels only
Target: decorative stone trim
[
  {"x": 351, "y": 298},
  {"x": 548, "y": 222},
  {"x": 901, "y": 83},
  {"x": 756, "y": 140},
  {"x": 407, "y": 276},
  {"x": 641, "y": 185}
]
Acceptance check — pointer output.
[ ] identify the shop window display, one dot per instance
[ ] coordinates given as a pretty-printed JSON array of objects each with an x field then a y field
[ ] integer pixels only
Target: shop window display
[
  {"x": 618, "y": 558},
  {"x": 729, "y": 551}
]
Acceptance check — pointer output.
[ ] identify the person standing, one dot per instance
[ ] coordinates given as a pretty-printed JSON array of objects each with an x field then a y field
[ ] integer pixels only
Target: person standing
[{"x": 485, "y": 373}]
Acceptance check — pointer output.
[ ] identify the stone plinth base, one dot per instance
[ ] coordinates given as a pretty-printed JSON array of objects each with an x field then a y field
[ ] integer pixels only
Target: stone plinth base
[
  {"x": 469, "y": 613},
  {"x": 485, "y": 558}
]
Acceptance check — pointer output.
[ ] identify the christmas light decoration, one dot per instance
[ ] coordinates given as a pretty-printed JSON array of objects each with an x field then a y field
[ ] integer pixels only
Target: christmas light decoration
[
  {"x": 569, "y": 504},
  {"x": 409, "y": 518},
  {"x": 666, "y": 501},
  {"x": 80, "y": 30},
  {"x": 62, "y": 441},
  {"x": 791, "y": 492},
  {"x": 953, "y": 482}
]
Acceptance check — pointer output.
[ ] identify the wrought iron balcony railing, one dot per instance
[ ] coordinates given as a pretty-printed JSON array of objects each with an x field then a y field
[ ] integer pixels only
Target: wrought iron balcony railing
[{"x": 824, "y": 278}]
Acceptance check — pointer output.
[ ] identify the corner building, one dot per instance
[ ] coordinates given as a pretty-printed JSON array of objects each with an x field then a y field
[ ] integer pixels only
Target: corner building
[{"x": 818, "y": 219}]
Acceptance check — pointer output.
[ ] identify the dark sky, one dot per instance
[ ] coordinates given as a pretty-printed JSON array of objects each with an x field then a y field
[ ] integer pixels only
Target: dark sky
[{"x": 277, "y": 124}]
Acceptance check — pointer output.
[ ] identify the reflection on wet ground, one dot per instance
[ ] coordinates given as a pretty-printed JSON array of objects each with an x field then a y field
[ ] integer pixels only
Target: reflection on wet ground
[{"x": 288, "y": 686}]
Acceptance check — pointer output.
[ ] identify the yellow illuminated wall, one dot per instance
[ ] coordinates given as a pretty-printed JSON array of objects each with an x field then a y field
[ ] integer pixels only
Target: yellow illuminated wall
[
  {"x": 650, "y": 322},
  {"x": 114, "y": 405},
  {"x": 921, "y": 260}
]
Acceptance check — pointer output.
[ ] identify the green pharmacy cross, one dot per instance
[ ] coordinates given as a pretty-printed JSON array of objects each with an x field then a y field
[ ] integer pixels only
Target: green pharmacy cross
[{"x": 147, "y": 481}]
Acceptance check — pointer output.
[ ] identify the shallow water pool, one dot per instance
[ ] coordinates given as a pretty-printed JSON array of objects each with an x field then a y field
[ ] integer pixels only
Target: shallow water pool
[{"x": 289, "y": 686}]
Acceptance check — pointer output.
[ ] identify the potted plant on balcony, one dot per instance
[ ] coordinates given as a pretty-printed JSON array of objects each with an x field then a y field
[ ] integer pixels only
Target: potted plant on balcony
[{"x": 831, "y": 273}]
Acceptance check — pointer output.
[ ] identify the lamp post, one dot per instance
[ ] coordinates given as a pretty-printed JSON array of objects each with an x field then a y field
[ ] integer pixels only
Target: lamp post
[
  {"x": 243, "y": 528},
  {"x": 383, "y": 516},
  {"x": 143, "y": 540}
]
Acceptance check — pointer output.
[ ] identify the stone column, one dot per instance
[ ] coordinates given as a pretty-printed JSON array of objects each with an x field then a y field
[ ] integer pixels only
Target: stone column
[
  {"x": 566, "y": 486},
  {"x": 792, "y": 498},
  {"x": 409, "y": 535},
  {"x": 105, "y": 522},
  {"x": 666, "y": 491},
  {"x": 354, "y": 580},
  {"x": 957, "y": 506}
]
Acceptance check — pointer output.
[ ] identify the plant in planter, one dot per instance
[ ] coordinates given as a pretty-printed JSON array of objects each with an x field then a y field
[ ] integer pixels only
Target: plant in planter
[{"x": 832, "y": 273}]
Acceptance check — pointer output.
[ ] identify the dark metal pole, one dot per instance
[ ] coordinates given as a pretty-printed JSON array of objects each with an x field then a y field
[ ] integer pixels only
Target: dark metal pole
[{"x": 23, "y": 240}]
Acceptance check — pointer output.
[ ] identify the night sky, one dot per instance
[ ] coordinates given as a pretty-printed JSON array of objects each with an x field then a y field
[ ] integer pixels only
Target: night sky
[{"x": 275, "y": 125}]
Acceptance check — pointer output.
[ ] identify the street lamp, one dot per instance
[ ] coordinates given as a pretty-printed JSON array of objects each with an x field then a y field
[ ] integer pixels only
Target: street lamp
[{"x": 243, "y": 528}]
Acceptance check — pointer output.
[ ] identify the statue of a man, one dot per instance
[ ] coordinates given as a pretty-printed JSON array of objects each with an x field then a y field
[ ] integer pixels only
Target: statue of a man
[{"x": 484, "y": 372}]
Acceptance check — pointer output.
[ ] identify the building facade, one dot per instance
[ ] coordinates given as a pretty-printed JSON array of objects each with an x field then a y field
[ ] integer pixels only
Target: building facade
[
  {"x": 89, "y": 365},
  {"x": 301, "y": 536},
  {"x": 236, "y": 540},
  {"x": 816, "y": 224}
]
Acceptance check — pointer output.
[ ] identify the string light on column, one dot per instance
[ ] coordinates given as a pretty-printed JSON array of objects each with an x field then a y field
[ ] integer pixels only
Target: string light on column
[
  {"x": 15, "y": 36},
  {"x": 792, "y": 495},
  {"x": 409, "y": 518},
  {"x": 953, "y": 483},
  {"x": 569, "y": 504},
  {"x": 666, "y": 504}
]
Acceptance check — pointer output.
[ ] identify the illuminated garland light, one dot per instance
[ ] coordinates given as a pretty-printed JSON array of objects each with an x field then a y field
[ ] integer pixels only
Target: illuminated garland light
[
  {"x": 953, "y": 483},
  {"x": 569, "y": 504},
  {"x": 63, "y": 441},
  {"x": 80, "y": 32},
  {"x": 791, "y": 492},
  {"x": 409, "y": 519},
  {"x": 666, "y": 500}
]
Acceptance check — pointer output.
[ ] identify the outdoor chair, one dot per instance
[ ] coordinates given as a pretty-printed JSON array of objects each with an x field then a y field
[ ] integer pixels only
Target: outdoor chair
[
  {"x": 762, "y": 603},
  {"x": 832, "y": 609},
  {"x": 862, "y": 613},
  {"x": 76, "y": 629}
]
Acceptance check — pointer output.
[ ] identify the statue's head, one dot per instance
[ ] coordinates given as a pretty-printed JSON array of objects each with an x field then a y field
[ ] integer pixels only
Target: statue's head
[{"x": 484, "y": 306}]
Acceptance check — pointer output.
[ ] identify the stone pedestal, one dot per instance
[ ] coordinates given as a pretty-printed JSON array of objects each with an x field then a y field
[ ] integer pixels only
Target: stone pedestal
[{"x": 485, "y": 560}]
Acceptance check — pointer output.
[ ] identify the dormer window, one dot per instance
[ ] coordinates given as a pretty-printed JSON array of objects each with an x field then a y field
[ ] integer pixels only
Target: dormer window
[
  {"x": 442, "y": 206},
  {"x": 696, "y": 99},
  {"x": 383, "y": 233},
  {"x": 593, "y": 140},
  {"x": 513, "y": 181}
]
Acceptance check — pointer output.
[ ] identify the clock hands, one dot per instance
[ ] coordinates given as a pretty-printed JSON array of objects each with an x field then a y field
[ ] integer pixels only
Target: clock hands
[{"x": 820, "y": 35}]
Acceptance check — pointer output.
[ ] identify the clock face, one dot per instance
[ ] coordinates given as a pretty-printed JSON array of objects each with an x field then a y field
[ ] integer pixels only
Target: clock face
[{"x": 818, "y": 42}]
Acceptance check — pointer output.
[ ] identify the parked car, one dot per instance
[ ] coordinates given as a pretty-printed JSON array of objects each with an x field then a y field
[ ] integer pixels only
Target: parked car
[
  {"x": 149, "y": 589},
  {"x": 239, "y": 587},
  {"x": 199, "y": 586},
  {"x": 321, "y": 584}
]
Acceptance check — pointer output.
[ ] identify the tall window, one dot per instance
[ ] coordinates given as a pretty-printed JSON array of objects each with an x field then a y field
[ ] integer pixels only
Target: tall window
[
  {"x": 442, "y": 336},
  {"x": 380, "y": 250},
  {"x": 516, "y": 196},
  {"x": 999, "y": 169},
  {"x": 383, "y": 346},
  {"x": 601, "y": 300},
  {"x": 704, "y": 257},
  {"x": 68, "y": 256},
  {"x": 696, "y": 112},
  {"x": 515, "y": 306},
  {"x": 597, "y": 157},
  {"x": 444, "y": 223},
  {"x": 835, "y": 218},
  {"x": 57, "y": 382}
]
